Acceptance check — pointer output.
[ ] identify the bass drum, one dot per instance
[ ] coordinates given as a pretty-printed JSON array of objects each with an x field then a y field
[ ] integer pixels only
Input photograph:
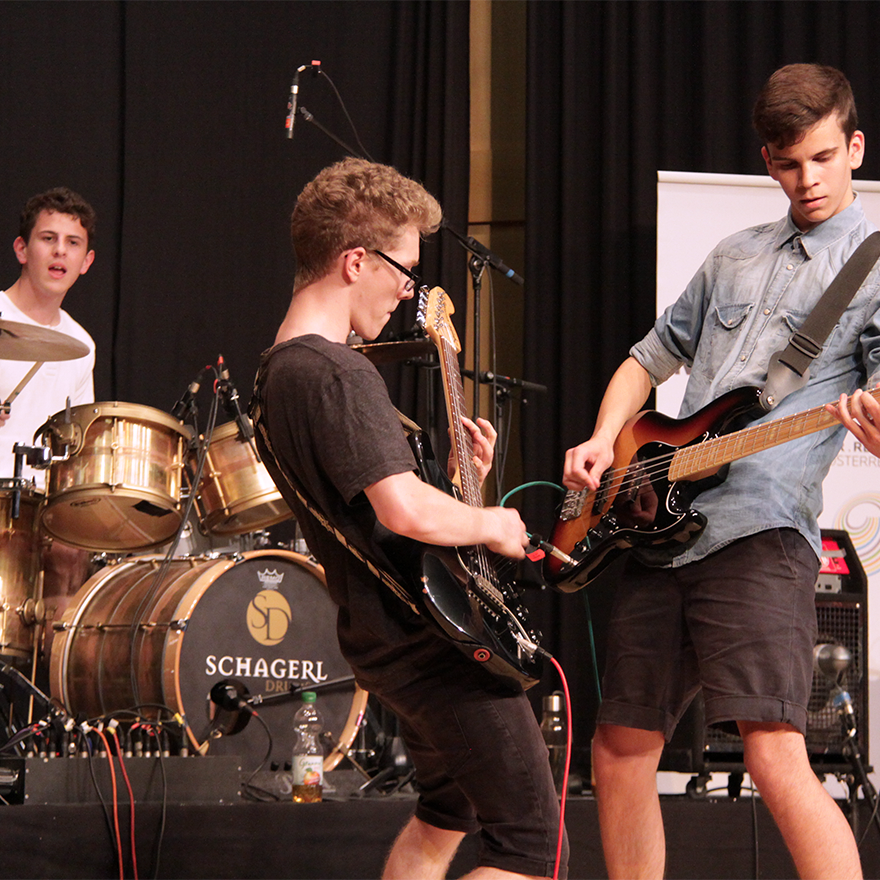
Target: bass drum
[{"x": 145, "y": 634}]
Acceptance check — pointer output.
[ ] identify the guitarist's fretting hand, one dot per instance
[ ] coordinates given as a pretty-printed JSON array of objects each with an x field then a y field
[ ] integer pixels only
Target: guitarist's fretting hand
[
  {"x": 861, "y": 416},
  {"x": 483, "y": 437}
]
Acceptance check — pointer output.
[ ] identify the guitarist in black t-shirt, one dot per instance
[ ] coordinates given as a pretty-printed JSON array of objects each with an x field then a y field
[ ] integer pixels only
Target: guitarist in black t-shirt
[{"x": 335, "y": 446}]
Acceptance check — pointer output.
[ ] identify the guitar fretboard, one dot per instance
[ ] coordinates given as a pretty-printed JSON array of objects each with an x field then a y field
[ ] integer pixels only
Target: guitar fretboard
[{"x": 712, "y": 454}]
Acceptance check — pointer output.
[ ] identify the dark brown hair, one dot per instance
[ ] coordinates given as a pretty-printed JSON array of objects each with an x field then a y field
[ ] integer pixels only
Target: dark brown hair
[
  {"x": 798, "y": 96},
  {"x": 62, "y": 201}
]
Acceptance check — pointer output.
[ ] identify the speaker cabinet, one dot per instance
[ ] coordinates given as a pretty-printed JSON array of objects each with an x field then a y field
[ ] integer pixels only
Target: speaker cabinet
[{"x": 842, "y": 616}]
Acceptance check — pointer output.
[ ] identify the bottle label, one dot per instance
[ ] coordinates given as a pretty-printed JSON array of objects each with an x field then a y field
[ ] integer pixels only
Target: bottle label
[{"x": 308, "y": 770}]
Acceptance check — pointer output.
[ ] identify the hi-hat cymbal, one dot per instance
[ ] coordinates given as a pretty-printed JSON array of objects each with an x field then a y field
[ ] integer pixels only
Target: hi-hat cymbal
[
  {"x": 28, "y": 342},
  {"x": 389, "y": 352}
]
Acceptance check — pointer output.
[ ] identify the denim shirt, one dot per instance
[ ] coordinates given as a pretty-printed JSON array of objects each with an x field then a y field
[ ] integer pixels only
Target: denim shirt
[{"x": 754, "y": 289}]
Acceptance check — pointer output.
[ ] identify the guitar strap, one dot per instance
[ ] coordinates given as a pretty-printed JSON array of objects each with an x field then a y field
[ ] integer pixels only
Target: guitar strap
[
  {"x": 790, "y": 367},
  {"x": 255, "y": 412}
]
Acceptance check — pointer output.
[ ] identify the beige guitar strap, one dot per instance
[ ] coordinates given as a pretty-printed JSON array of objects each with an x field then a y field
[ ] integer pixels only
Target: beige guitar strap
[{"x": 255, "y": 413}]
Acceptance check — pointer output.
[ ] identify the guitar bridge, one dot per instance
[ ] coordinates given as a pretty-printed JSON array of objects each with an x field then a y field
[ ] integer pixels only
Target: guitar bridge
[{"x": 572, "y": 504}]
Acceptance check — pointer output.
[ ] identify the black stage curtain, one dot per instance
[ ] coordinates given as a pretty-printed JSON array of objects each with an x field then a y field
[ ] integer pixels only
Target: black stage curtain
[
  {"x": 616, "y": 92},
  {"x": 169, "y": 118}
]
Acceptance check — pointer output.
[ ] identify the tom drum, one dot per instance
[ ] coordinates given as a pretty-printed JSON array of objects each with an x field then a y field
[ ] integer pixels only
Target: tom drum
[
  {"x": 236, "y": 494},
  {"x": 114, "y": 482}
]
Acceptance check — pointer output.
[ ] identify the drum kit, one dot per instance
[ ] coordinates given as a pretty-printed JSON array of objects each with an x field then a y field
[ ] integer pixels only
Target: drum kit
[{"x": 152, "y": 631}]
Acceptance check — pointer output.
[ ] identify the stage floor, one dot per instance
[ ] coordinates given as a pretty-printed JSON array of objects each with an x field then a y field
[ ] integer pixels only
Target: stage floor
[{"x": 707, "y": 838}]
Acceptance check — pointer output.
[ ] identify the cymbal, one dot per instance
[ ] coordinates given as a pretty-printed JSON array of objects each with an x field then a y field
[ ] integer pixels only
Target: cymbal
[
  {"x": 389, "y": 352},
  {"x": 28, "y": 342}
]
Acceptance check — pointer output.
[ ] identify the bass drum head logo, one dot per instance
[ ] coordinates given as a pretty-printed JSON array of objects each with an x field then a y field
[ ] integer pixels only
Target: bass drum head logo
[{"x": 268, "y": 617}]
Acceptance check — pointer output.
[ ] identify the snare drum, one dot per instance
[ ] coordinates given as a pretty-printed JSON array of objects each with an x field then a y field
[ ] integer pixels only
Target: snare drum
[
  {"x": 22, "y": 606},
  {"x": 236, "y": 494},
  {"x": 136, "y": 637},
  {"x": 116, "y": 483}
]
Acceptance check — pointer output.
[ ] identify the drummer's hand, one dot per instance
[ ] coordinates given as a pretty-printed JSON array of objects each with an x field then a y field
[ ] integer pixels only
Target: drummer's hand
[{"x": 4, "y": 415}]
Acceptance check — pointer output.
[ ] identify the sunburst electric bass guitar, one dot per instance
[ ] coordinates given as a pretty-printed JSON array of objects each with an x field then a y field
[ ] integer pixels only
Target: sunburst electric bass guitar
[
  {"x": 660, "y": 465},
  {"x": 462, "y": 587}
]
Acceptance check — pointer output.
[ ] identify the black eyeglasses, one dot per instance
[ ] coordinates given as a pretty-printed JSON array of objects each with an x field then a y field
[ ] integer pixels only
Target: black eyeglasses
[{"x": 414, "y": 280}]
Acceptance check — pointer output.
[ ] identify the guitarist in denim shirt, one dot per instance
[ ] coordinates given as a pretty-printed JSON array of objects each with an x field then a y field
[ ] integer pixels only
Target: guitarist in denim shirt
[
  {"x": 336, "y": 448},
  {"x": 734, "y": 613}
]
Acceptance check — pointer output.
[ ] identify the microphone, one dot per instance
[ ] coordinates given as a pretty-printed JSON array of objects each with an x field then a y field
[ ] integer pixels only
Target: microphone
[
  {"x": 229, "y": 397},
  {"x": 229, "y": 694},
  {"x": 294, "y": 93},
  {"x": 831, "y": 660},
  {"x": 291, "y": 104},
  {"x": 487, "y": 377},
  {"x": 185, "y": 404},
  {"x": 478, "y": 248}
]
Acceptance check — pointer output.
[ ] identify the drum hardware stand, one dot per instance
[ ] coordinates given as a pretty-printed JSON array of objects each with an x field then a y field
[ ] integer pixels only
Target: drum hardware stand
[
  {"x": 394, "y": 763},
  {"x": 37, "y": 457},
  {"x": 6, "y": 406}
]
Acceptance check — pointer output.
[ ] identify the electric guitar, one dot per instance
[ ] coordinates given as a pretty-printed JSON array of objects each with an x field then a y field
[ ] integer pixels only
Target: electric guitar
[
  {"x": 462, "y": 588},
  {"x": 660, "y": 465}
]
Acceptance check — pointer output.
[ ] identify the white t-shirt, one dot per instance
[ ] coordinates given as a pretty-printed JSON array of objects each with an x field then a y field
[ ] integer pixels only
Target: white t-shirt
[{"x": 47, "y": 391}]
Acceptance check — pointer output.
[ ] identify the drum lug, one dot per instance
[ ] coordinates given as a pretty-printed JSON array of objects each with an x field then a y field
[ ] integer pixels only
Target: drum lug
[
  {"x": 33, "y": 612},
  {"x": 178, "y": 625}
]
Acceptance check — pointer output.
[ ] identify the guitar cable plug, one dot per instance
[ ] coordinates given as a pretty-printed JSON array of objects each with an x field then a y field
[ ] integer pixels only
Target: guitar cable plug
[{"x": 540, "y": 544}]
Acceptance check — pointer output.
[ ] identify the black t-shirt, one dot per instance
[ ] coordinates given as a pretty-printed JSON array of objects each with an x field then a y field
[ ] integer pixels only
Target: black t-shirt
[{"x": 332, "y": 426}]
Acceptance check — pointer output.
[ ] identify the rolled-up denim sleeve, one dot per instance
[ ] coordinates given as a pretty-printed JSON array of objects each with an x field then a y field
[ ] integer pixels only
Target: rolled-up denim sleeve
[{"x": 653, "y": 355}]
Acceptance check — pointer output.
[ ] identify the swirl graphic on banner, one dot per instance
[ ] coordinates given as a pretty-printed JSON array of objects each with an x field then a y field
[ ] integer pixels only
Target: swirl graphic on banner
[{"x": 860, "y": 516}]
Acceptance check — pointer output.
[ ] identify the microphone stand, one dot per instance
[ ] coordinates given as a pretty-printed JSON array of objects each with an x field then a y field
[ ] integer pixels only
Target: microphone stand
[
  {"x": 843, "y": 703},
  {"x": 480, "y": 257},
  {"x": 477, "y": 265},
  {"x": 310, "y": 118}
]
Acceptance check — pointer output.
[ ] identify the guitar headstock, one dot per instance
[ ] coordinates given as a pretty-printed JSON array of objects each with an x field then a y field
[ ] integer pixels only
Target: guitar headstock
[{"x": 434, "y": 316}]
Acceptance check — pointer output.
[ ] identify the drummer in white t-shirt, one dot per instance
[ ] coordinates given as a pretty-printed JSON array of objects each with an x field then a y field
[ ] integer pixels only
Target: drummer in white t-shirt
[{"x": 53, "y": 248}]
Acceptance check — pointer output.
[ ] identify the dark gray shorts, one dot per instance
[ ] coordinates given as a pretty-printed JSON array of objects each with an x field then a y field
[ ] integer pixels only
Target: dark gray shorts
[
  {"x": 741, "y": 623},
  {"x": 480, "y": 760}
]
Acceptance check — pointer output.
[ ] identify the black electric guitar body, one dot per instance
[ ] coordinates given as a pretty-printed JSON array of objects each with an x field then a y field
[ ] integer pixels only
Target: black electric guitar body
[{"x": 462, "y": 588}]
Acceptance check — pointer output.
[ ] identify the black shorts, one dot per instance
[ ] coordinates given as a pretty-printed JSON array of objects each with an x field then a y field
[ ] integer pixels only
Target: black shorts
[
  {"x": 480, "y": 760},
  {"x": 740, "y": 623}
]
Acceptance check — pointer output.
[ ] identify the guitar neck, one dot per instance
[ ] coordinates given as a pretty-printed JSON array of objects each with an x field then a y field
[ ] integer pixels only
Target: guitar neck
[
  {"x": 461, "y": 440},
  {"x": 709, "y": 455}
]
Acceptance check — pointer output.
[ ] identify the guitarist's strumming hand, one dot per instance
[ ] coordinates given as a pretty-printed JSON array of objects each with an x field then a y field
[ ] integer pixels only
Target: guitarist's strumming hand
[
  {"x": 585, "y": 463},
  {"x": 861, "y": 416},
  {"x": 483, "y": 437},
  {"x": 625, "y": 396},
  {"x": 512, "y": 537}
]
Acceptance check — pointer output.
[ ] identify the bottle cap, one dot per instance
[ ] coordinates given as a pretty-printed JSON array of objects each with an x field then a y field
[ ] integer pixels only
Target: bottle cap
[
  {"x": 309, "y": 696},
  {"x": 553, "y": 702}
]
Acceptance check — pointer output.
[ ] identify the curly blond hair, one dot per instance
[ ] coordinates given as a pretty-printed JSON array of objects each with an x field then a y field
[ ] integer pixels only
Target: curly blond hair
[{"x": 355, "y": 203}]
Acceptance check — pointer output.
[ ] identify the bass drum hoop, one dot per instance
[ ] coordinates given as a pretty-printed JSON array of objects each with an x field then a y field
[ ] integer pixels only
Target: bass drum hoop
[{"x": 195, "y": 581}]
